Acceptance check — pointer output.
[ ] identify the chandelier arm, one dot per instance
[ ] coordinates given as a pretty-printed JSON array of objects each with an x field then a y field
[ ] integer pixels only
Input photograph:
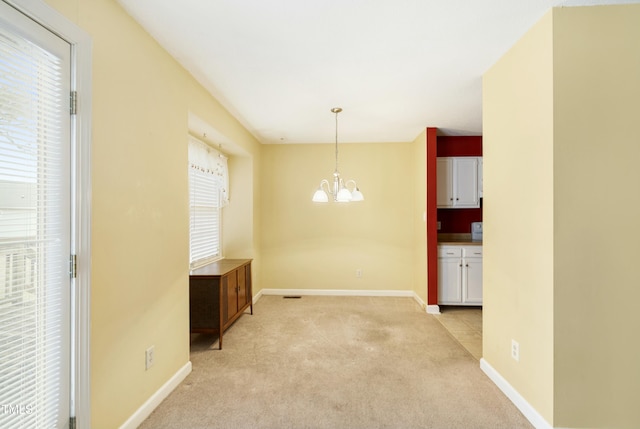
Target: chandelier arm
[
  {"x": 325, "y": 182},
  {"x": 351, "y": 181}
]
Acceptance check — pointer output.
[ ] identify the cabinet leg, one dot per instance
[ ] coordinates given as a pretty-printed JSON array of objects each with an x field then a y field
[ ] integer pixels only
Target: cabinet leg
[{"x": 221, "y": 331}]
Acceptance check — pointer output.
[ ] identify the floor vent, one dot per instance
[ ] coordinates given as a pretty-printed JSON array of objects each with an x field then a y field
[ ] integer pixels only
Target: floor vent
[{"x": 292, "y": 297}]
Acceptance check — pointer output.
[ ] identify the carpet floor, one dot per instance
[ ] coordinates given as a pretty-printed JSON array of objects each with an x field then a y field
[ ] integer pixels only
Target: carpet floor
[{"x": 335, "y": 362}]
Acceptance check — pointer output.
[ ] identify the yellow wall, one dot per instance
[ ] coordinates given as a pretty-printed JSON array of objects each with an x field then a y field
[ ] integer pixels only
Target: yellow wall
[
  {"x": 237, "y": 216},
  {"x": 561, "y": 147},
  {"x": 597, "y": 208},
  {"x": 518, "y": 216},
  {"x": 307, "y": 245},
  {"x": 141, "y": 103}
]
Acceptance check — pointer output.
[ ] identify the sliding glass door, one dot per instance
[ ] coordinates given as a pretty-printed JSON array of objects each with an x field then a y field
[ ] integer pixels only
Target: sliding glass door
[{"x": 35, "y": 225}]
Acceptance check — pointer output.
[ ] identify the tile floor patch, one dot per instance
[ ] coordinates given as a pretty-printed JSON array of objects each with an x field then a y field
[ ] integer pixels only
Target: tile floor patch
[{"x": 465, "y": 325}]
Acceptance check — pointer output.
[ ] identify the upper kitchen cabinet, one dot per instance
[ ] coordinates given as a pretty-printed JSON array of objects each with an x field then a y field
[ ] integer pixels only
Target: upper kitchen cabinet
[
  {"x": 458, "y": 184},
  {"x": 480, "y": 173}
]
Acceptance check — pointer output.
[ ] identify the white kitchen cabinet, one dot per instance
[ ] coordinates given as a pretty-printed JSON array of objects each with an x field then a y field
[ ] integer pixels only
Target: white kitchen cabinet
[
  {"x": 472, "y": 275},
  {"x": 459, "y": 275},
  {"x": 480, "y": 176},
  {"x": 449, "y": 273},
  {"x": 457, "y": 185}
]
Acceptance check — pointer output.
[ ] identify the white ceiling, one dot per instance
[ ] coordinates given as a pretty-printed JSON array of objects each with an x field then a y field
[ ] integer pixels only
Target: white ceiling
[{"x": 394, "y": 66}]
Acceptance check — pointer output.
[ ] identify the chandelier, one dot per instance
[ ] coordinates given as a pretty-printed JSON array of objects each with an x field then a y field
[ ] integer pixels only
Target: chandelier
[{"x": 340, "y": 189}]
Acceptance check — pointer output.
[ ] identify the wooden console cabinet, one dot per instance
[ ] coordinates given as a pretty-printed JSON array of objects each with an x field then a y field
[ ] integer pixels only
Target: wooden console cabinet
[{"x": 219, "y": 293}]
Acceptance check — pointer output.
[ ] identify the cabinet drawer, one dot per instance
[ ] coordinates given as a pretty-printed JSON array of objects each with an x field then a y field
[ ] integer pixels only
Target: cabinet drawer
[
  {"x": 449, "y": 251},
  {"x": 472, "y": 251}
]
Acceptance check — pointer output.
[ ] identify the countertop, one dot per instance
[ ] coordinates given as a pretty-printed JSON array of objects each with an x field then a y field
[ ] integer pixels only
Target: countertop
[{"x": 457, "y": 239}]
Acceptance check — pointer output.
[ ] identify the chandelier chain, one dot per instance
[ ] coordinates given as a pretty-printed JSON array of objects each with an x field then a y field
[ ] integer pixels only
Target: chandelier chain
[{"x": 336, "y": 110}]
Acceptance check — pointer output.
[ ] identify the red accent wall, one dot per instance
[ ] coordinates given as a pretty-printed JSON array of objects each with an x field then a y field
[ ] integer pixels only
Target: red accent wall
[
  {"x": 459, "y": 220},
  {"x": 432, "y": 232},
  {"x": 460, "y": 146}
]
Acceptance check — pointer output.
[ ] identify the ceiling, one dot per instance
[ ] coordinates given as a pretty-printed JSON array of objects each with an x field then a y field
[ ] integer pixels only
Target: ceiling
[{"x": 394, "y": 66}]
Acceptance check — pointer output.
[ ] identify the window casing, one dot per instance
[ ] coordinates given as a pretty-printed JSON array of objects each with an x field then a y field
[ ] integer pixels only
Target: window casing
[{"x": 208, "y": 194}]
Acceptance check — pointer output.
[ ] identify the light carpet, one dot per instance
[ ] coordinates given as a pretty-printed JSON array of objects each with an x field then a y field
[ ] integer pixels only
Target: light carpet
[{"x": 335, "y": 362}]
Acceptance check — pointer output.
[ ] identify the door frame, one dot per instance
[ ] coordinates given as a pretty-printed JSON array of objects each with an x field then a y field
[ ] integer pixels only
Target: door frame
[{"x": 81, "y": 83}]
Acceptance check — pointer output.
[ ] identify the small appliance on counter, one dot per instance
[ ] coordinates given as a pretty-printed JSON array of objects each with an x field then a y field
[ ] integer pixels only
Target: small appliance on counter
[{"x": 476, "y": 231}]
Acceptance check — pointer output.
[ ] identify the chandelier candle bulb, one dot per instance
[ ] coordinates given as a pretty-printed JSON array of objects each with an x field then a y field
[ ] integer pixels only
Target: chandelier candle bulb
[{"x": 341, "y": 192}]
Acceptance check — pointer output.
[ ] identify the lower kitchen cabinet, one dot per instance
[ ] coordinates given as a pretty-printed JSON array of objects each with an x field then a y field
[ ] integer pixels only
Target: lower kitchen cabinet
[{"x": 459, "y": 275}]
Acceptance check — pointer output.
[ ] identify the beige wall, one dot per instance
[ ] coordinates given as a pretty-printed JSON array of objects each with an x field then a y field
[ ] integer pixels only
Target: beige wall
[
  {"x": 561, "y": 145},
  {"x": 141, "y": 103},
  {"x": 518, "y": 216},
  {"x": 597, "y": 208},
  {"x": 314, "y": 246}
]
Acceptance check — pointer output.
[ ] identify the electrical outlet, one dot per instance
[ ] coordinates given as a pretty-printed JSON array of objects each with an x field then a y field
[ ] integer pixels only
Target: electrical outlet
[
  {"x": 359, "y": 273},
  {"x": 515, "y": 350},
  {"x": 149, "y": 357}
]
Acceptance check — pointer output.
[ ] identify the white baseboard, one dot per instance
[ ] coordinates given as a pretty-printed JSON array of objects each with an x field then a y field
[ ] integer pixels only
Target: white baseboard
[
  {"x": 337, "y": 292},
  {"x": 147, "y": 408},
  {"x": 525, "y": 408},
  {"x": 341, "y": 292},
  {"x": 419, "y": 300},
  {"x": 433, "y": 309}
]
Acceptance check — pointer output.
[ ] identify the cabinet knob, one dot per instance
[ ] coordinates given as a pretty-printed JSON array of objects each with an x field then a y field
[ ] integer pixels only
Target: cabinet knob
[
  {"x": 457, "y": 199},
  {"x": 467, "y": 265}
]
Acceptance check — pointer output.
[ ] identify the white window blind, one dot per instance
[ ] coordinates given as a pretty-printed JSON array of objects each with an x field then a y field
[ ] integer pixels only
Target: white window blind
[
  {"x": 208, "y": 193},
  {"x": 34, "y": 225}
]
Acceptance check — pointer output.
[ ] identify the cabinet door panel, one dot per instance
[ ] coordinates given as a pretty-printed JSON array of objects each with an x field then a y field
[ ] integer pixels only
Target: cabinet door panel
[
  {"x": 247, "y": 285},
  {"x": 444, "y": 188},
  {"x": 466, "y": 182},
  {"x": 224, "y": 292},
  {"x": 242, "y": 287},
  {"x": 232, "y": 297},
  {"x": 449, "y": 281},
  {"x": 473, "y": 281},
  {"x": 480, "y": 177}
]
